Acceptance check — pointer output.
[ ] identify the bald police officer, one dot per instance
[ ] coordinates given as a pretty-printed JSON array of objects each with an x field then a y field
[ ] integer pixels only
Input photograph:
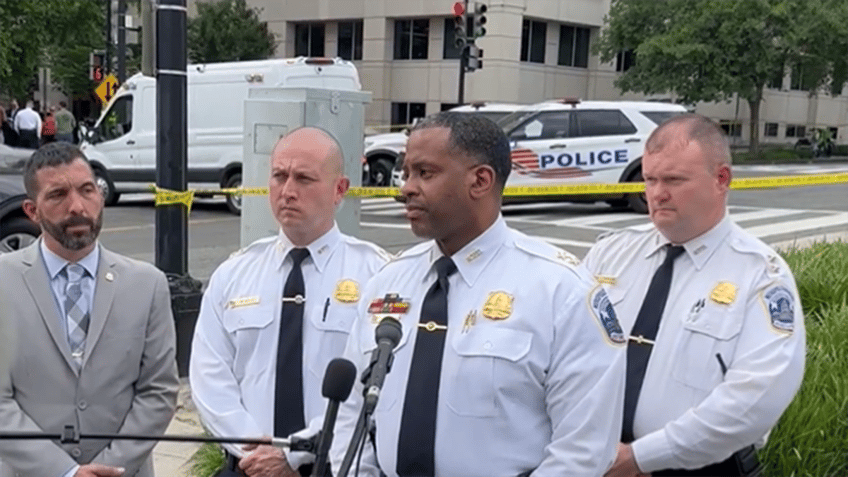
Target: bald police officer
[{"x": 278, "y": 311}]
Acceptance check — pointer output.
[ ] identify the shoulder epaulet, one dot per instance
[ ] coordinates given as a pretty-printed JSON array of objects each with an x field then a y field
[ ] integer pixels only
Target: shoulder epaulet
[
  {"x": 370, "y": 246},
  {"x": 545, "y": 250},
  {"x": 252, "y": 245},
  {"x": 620, "y": 233},
  {"x": 413, "y": 251},
  {"x": 751, "y": 245}
]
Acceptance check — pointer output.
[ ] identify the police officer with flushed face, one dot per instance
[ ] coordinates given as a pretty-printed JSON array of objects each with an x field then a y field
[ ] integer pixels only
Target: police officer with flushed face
[
  {"x": 510, "y": 362},
  {"x": 717, "y": 342}
]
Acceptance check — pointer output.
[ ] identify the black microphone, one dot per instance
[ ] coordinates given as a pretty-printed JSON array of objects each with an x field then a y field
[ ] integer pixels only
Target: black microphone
[
  {"x": 387, "y": 335},
  {"x": 338, "y": 381}
]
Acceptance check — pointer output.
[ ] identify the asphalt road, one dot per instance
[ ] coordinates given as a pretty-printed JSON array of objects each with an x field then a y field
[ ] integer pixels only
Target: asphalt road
[{"x": 779, "y": 216}]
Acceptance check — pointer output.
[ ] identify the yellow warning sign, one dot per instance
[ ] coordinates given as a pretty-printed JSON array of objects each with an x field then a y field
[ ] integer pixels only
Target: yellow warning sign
[{"x": 107, "y": 89}]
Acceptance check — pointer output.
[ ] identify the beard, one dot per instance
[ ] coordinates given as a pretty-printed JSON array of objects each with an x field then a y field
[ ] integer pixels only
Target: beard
[{"x": 59, "y": 231}]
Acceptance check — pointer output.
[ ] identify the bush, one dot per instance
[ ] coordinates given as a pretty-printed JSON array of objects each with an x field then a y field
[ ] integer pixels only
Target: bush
[
  {"x": 207, "y": 461},
  {"x": 770, "y": 154},
  {"x": 811, "y": 438}
]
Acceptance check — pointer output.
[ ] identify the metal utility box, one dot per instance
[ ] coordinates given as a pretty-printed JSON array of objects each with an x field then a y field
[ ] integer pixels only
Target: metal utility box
[{"x": 270, "y": 113}]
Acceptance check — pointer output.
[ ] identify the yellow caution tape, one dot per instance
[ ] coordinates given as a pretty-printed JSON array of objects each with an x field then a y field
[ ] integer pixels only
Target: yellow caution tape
[
  {"x": 164, "y": 196},
  {"x": 789, "y": 181},
  {"x": 167, "y": 197}
]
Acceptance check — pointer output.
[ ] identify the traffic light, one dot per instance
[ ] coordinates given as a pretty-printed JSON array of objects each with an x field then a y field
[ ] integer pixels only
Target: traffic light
[
  {"x": 479, "y": 20},
  {"x": 96, "y": 65},
  {"x": 459, "y": 25},
  {"x": 475, "y": 57}
]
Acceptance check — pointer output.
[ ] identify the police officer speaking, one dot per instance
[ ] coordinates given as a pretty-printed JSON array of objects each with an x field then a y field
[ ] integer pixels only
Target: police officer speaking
[
  {"x": 509, "y": 362},
  {"x": 717, "y": 341},
  {"x": 279, "y": 310}
]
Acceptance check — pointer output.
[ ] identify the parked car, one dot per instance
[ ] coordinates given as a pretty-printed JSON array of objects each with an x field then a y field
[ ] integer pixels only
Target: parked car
[
  {"x": 16, "y": 230},
  {"x": 383, "y": 150},
  {"x": 569, "y": 141},
  {"x": 12, "y": 159}
]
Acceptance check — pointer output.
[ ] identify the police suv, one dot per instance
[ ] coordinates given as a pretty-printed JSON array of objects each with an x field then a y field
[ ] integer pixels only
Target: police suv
[
  {"x": 568, "y": 141},
  {"x": 382, "y": 150}
]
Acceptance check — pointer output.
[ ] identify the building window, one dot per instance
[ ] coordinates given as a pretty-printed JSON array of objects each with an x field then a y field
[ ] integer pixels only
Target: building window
[
  {"x": 533, "y": 35},
  {"x": 450, "y": 50},
  {"x": 771, "y": 130},
  {"x": 404, "y": 113},
  {"x": 448, "y": 106},
  {"x": 411, "y": 38},
  {"x": 776, "y": 82},
  {"x": 796, "y": 130},
  {"x": 309, "y": 39},
  {"x": 573, "y": 46},
  {"x": 624, "y": 60},
  {"x": 801, "y": 80},
  {"x": 350, "y": 40},
  {"x": 732, "y": 128}
]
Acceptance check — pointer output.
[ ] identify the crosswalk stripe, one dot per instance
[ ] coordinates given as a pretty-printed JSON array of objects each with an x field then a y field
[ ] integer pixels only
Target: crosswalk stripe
[{"x": 780, "y": 228}]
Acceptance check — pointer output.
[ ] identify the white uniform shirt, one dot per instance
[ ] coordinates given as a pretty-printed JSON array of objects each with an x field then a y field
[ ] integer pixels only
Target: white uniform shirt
[
  {"x": 27, "y": 119},
  {"x": 731, "y": 295},
  {"x": 234, "y": 352},
  {"x": 530, "y": 377}
]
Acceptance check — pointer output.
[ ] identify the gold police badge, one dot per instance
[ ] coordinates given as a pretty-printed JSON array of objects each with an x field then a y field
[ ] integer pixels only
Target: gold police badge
[
  {"x": 347, "y": 291},
  {"x": 498, "y": 306},
  {"x": 724, "y": 293}
]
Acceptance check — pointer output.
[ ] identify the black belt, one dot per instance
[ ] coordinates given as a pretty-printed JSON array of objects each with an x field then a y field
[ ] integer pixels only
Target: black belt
[
  {"x": 743, "y": 463},
  {"x": 233, "y": 465}
]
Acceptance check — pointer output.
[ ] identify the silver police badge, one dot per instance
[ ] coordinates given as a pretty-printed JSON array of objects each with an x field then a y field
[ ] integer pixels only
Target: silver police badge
[
  {"x": 602, "y": 308},
  {"x": 781, "y": 308}
]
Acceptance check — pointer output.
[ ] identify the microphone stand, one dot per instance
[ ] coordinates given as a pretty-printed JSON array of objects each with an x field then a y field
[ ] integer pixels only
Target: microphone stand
[
  {"x": 71, "y": 436},
  {"x": 355, "y": 441}
]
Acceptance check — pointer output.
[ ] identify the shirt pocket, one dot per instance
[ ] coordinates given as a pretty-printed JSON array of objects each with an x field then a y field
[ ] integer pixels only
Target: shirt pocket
[
  {"x": 249, "y": 327},
  {"x": 329, "y": 342},
  {"x": 487, "y": 362},
  {"x": 705, "y": 337}
]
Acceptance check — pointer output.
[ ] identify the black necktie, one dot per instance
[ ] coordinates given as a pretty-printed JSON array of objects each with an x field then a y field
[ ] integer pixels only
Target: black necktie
[
  {"x": 417, "y": 438},
  {"x": 288, "y": 390},
  {"x": 645, "y": 328}
]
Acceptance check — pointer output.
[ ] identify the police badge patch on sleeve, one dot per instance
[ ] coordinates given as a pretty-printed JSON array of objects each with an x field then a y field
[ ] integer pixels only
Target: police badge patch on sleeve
[
  {"x": 781, "y": 308},
  {"x": 602, "y": 308}
]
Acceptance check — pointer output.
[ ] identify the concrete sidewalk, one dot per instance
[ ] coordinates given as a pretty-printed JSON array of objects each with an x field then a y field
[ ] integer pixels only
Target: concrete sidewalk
[{"x": 170, "y": 458}]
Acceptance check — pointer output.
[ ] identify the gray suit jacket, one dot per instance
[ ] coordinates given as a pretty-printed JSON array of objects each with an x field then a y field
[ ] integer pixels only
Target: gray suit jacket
[{"x": 128, "y": 381}]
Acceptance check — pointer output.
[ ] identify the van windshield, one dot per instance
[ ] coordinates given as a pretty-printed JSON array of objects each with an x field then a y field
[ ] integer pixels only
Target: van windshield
[{"x": 117, "y": 121}]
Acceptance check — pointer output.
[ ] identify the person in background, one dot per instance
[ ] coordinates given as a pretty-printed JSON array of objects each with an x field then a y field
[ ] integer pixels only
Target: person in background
[
  {"x": 28, "y": 125},
  {"x": 65, "y": 123}
]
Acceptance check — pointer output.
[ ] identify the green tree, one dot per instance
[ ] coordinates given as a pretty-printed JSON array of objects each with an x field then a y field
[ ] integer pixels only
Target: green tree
[
  {"x": 228, "y": 31},
  {"x": 21, "y": 34},
  {"x": 709, "y": 50},
  {"x": 54, "y": 33},
  {"x": 73, "y": 32}
]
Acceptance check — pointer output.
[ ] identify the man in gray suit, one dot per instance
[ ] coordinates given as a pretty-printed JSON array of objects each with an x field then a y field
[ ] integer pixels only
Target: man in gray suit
[{"x": 95, "y": 334}]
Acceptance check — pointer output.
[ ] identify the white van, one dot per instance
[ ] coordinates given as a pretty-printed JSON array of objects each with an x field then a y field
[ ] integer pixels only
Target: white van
[{"x": 122, "y": 144}]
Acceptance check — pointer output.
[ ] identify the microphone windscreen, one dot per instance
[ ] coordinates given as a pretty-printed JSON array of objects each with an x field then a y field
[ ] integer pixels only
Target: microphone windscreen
[
  {"x": 388, "y": 329},
  {"x": 338, "y": 380}
]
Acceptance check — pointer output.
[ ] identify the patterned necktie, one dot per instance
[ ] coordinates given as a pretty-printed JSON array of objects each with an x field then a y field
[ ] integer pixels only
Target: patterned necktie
[
  {"x": 76, "y": 310},
  {"x": 417, "y": 438},
  {"x": 288, "y": 390},
  {"x": 642, "y": 337}
]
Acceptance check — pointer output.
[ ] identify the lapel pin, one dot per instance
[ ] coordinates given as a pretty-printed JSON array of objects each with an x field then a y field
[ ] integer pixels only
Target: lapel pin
[{"x": 109, "y": 276}]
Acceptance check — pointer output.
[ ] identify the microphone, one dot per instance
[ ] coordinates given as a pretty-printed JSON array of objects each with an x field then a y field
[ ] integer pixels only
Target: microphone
[
  {"x": 387, "y": 335},
  {"x": 338, "y": 381}
]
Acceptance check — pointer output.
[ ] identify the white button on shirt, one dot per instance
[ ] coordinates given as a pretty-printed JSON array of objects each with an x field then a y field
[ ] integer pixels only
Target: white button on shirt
[
  {"x": 529, "y": 379},
  {"x": 731, "y": 296},
  {"x": 234, "y": 351}
]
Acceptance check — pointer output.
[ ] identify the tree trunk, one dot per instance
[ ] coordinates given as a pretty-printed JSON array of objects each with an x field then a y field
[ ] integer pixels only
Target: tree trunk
[{"x": 754, "y": 107}]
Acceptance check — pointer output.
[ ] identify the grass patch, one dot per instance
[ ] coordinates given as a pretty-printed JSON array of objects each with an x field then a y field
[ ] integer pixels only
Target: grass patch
[
  {"x": 773, "y": 155},
  {"x": 811, "y": 438},
  {"x": 207, "y": 461}
]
